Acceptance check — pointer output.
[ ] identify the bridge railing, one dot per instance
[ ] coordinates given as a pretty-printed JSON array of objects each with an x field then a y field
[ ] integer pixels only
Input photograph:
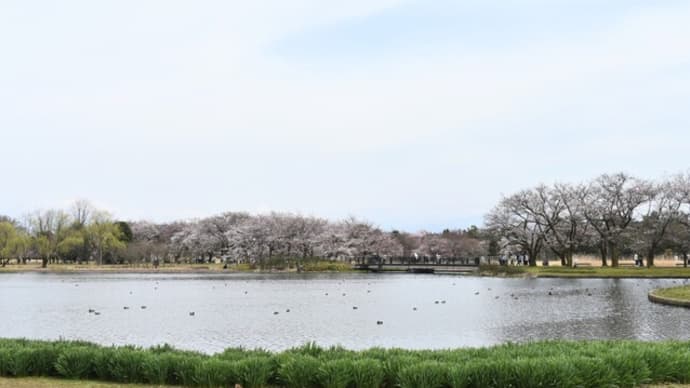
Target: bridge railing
[{"x": 430, "y": 261}]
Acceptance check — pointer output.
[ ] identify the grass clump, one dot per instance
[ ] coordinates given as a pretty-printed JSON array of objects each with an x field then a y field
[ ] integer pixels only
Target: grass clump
[
  {"x": 335, "y": 374},
  {"x": 255, "y": 371},
  {"x": 76, "y": 362},
  {"x": 325, "y": 266},
  {"x": 215, "y": 373},
  {"x": 428, "y": 374},
  {"x": 298, "y": 371},
  {"x": 367, "y": 373},
  {"x": 500, "y": 270}
]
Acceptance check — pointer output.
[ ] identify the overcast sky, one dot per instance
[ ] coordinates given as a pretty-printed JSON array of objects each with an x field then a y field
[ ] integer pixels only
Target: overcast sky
[{"x": 411, "y": 114}]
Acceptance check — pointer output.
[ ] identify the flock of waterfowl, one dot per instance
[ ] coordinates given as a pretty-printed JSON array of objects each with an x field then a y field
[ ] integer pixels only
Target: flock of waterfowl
[
  {"x": 193, "y": 313},
  {"x": 550, "y": 292}
]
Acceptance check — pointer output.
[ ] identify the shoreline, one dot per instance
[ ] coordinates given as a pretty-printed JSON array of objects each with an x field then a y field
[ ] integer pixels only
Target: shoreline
[
  {"x": 671, "y": 296},
  {"x": 587, "y": 272},
  {"x": 493, "y": 271},
  {"x": 172, "y": 269}
]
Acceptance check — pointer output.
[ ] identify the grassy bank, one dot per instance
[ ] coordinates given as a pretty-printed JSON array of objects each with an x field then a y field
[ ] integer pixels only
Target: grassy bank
[
  {"x": 585, "y": 272},
  {"x": 540, "y": 364},
  {"x": 682, "y": 292},
  {"x": 674, "y": 296},
  {"x": 610, "y": 272},
  {"x": 307, "y": 266}
]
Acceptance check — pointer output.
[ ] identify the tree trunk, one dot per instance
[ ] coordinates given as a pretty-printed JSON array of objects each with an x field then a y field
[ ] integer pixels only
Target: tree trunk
[
  {"x": 685, "y": 260},
  {"x": 650, "y": 258},
  {"x": 613, "y": 251},
  {"x": 44, "y": 262},
  {"x": 602, "y": 250}
]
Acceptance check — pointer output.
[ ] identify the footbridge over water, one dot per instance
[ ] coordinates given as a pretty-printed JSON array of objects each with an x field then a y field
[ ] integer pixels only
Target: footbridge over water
[{"x": 418, "y": 268}]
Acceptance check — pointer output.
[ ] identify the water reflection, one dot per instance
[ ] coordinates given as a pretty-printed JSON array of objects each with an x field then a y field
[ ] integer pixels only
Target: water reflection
[{"x": 251, "y": 310}]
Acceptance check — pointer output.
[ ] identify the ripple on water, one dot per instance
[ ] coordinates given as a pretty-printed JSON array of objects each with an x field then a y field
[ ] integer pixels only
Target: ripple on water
[{"x": 49, "y": 306}]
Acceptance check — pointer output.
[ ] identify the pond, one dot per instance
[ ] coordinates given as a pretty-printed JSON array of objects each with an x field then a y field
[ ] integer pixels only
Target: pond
[{"x": 279, "y": 311}]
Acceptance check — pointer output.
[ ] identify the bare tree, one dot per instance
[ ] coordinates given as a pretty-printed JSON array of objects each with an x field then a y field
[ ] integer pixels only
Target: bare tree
[
  {"x": 662, "y": 208},
  {"x": 513, "y": 219},
  {"x": 560, "y": 212},
  {"x": 81, "y": 212},
  {"x": 610, "y": 207},
  {"x": 48, "y": 228}
]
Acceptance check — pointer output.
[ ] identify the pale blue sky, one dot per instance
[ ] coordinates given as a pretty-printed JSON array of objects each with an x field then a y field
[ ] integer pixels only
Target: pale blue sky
[{"x": 411, "y": 114}]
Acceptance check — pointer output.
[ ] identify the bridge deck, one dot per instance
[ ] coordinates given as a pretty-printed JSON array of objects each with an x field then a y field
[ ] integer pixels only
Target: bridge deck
[{"x": 416, "y": 268}]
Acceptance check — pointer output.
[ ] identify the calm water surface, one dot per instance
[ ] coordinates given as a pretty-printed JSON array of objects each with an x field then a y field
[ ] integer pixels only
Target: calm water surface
[{"x": 239, "y": 310}]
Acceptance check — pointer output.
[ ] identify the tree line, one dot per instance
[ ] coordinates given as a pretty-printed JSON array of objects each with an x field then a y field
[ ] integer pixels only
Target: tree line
[
  {"x": 263, "y": 239},
  {"x": 83, "y": 234},
  {"x": 611, "y": 215}
]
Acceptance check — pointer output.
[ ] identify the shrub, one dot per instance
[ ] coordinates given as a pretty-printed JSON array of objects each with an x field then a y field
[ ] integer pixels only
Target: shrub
[
  {"x": 43, "y": 360},
  {"x": 336, "y": 373},
  {"x": 298, "y": 371},
  {"x": 183, "y": 369},
  {"x": 392, "y": 367},
  {"x": 156, "y": 369},
  {"x": 216, "y": 373},
  {"x": 540, "y": 364},
  {"x": 544, "y": 372},
  {"x": 256, "y": 371},
  {"x": 237, "y": 354},
  {"x": 593, "y": 372},
  {"x": 368, "y": 373},
  {"x": 127, "y": 365},
  {"x": 428, "y": 374},
  {"x": 308, "y": 349},
  {"x": 102, "y": 364},
  {"x": 7, "y": 361},
  {"x": 495, "y": 269},
  {"x": 629, "y": 368},
  {"x": 76, "y": 362}
]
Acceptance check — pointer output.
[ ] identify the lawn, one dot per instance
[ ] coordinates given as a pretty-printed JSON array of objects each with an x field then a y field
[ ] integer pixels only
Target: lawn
[
  {"x": 682, "y": 292},
  {"x": 42, "y": 382},
  {"x": 609, "y": 272}
]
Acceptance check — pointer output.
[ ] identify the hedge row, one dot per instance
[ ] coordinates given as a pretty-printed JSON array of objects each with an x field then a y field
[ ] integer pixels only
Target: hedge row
[{"x": 539, "y": 364}]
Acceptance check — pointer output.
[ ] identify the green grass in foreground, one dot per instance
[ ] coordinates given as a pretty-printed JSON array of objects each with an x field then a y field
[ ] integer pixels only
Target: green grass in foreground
[
  {"x": 45, "y": 382},
  {"x": 682, "y": 292},
  {"x": 539, "y": 364},
  {"x": 41, "y": 382}
]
